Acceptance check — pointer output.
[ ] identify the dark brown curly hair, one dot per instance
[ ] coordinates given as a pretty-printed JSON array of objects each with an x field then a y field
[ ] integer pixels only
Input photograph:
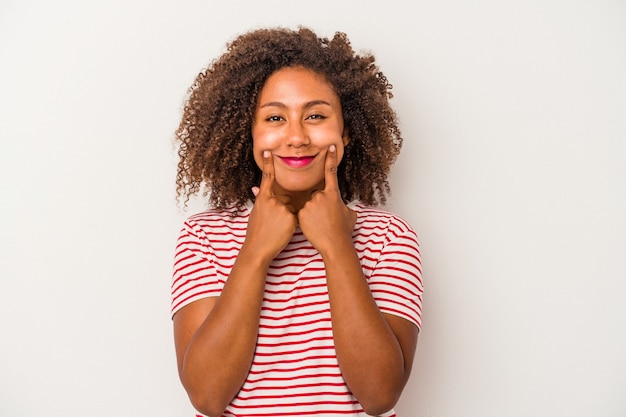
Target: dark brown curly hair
[{"x": 215, "y": 131}]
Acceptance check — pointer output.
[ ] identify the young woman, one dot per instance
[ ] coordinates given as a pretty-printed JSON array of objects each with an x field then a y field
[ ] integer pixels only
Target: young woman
[{"x": 293, "y": 295}]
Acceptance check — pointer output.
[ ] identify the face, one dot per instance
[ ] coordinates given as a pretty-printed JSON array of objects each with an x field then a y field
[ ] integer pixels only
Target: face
[{"x": 298, "y": 116}]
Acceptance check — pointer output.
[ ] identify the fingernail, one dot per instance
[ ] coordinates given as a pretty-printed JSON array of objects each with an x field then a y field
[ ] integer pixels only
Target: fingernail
[
  {"x": 332, "y": 148},
  {"x": 266, "y": 154}
]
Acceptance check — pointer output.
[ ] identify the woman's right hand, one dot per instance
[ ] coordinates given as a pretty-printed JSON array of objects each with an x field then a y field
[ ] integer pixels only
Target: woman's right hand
[{"x": 273, "y": 219}]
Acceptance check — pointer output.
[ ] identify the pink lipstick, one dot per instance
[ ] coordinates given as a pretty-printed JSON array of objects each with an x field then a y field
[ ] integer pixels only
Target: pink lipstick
[{"x": 297, "y": 161}]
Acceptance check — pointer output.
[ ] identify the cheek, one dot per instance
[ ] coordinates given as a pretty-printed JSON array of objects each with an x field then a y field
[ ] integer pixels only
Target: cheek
[
  {"x": 324, "y": 138},
  {"x": 258, "y": 160},
  {"x": 259, "y": 144},
  {"x": 256, "y": 152},
  {"x": 338, "y": 141}
]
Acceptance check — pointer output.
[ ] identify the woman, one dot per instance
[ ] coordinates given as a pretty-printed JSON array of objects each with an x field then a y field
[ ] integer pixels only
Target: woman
[{"x": 293, "y": 295}]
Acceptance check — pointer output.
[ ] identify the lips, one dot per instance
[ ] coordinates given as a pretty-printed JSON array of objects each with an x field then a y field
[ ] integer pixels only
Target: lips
[{"x": 297, "y": 161}]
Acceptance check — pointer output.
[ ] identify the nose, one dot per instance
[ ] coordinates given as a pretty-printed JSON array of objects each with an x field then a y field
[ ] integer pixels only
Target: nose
[{"x": 297, "y": 135}]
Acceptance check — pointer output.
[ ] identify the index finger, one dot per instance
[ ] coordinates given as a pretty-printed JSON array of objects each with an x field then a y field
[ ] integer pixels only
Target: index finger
[
  {"x": 267, "y": 178},
  {"x": 330, "y": 169}
]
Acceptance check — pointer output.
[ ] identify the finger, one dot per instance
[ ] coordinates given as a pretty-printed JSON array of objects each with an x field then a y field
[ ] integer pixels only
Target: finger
[
  {"x": 267, "y": 179},
  {"x": 255, "y": 191},
  {"x": 330, "y": 169}
]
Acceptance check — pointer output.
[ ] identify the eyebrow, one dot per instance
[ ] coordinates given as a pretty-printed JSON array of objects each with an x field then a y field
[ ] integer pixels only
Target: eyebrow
[{"x": 306, "y": 106}]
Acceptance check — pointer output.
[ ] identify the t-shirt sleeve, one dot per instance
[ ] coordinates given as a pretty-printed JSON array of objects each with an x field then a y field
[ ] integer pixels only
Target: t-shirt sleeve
[
  {"x": 396, "y": 282},
  {"x": 194, "y": 276}
]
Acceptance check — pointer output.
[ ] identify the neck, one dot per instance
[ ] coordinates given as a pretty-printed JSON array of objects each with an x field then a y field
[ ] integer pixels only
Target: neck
[{"x": 299, "y": 199}]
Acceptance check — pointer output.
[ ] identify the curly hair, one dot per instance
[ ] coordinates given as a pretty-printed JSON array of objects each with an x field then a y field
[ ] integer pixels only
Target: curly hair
[{"x": 214, "y": 135}]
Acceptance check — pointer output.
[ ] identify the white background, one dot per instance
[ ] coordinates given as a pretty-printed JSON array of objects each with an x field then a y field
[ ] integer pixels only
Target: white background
[{"x": 514, "y": 118}]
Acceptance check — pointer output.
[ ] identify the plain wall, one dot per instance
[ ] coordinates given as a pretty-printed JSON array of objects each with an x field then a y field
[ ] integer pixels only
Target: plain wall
[{"x": 512, "y": 173}]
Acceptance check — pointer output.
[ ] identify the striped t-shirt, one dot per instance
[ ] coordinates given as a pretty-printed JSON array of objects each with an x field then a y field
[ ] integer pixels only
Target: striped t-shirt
[{"x": 294, "y": 370}]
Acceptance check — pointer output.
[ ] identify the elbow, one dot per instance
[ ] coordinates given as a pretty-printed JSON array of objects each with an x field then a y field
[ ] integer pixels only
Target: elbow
[
  {"x": 377, "y": 409},
  {"x": 380, "y": 403},
  {"x": 204, "y": 402},
  {"x": 206, "y": 407},
  {"x": 205, "y": 397}
]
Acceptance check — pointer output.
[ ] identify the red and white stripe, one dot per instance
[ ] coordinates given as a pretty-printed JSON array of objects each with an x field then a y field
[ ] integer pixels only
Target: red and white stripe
[{"x": 294, "y": 370}]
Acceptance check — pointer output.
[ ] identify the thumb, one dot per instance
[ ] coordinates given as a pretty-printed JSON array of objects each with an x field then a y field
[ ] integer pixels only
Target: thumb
[{"x": 255, "y": 191}]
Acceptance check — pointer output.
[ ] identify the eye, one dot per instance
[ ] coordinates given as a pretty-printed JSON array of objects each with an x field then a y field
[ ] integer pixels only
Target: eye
[
  {"x": 316, "y": 116},
  {"x": 274, "y": 119}
]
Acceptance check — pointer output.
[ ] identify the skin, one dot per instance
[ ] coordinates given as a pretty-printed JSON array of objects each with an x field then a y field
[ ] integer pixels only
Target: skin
[{"x": 298, "y": 114}]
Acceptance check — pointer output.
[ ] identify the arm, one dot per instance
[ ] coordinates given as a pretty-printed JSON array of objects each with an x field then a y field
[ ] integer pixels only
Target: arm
[
  {"x": 215, "y": 337},
  {"x": 377, "y": 368}
]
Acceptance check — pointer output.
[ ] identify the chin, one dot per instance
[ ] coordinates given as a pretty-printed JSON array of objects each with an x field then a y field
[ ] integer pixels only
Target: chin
[{"x": 299, "y": 187}]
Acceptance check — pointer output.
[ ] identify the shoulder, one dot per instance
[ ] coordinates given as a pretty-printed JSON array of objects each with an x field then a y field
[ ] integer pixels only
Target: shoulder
[
  {"x": 370, "y": 216},
  {"x": 231, "y": 217}
]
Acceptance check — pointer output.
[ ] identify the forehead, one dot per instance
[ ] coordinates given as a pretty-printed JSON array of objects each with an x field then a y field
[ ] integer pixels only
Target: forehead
[{"x": 289, "y": 81}]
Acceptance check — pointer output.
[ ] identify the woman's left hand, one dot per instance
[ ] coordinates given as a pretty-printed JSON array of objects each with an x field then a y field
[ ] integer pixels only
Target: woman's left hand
[{"x": 325, "y": 220}]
